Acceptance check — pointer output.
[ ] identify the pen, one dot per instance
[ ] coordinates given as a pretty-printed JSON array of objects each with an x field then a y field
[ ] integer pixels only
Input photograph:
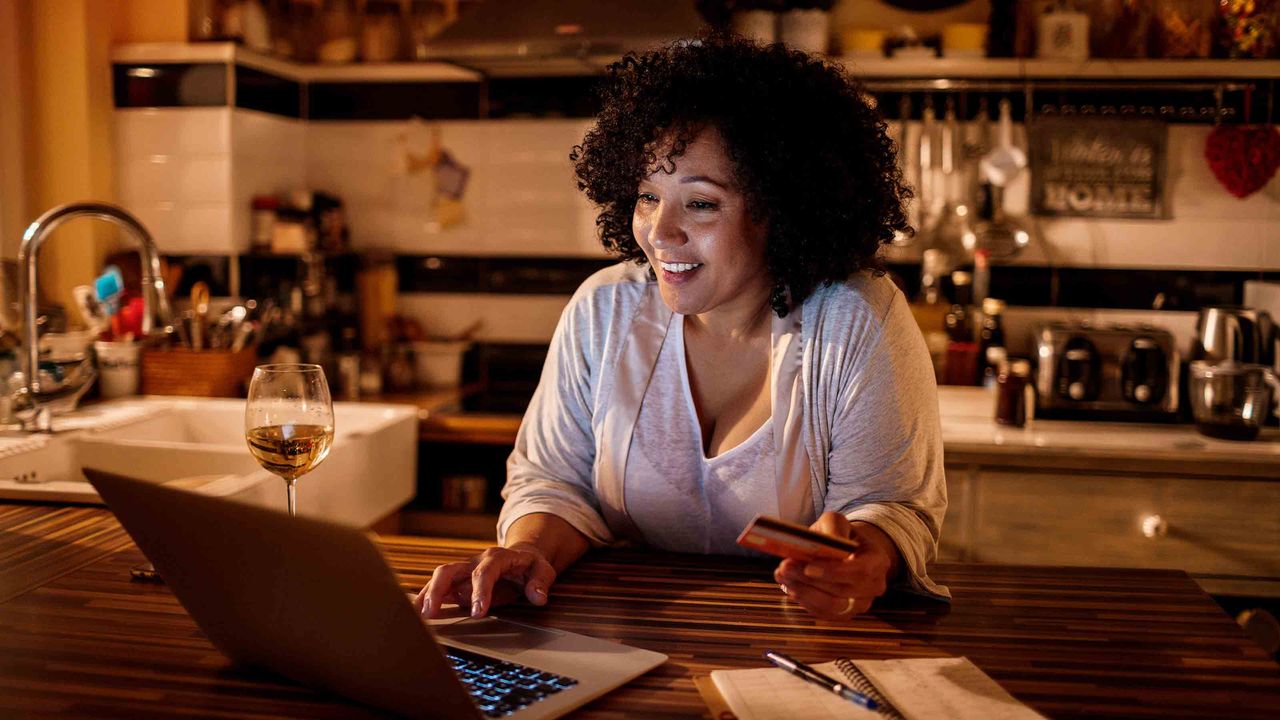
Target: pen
[{"x": 804, "y": 672}]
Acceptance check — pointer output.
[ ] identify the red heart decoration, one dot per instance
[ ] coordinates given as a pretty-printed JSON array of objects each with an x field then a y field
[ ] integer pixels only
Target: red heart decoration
[{"x": 1243, "y": 158}]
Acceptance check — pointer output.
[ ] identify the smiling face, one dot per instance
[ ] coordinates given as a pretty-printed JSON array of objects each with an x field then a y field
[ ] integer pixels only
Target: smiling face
[{"x": 695, "y": 228}]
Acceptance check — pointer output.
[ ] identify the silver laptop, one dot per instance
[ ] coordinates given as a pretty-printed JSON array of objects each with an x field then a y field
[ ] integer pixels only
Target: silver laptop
[{"x": 316, "y": 602}]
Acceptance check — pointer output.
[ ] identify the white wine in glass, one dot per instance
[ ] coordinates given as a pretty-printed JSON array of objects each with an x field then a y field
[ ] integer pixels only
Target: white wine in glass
[{"x": 288, "y": 421}]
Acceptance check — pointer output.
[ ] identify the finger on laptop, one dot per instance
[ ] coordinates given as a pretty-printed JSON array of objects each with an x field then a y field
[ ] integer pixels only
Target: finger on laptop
[
  {"x": 538, "y": 580},
  {"x": 504, "y": 563},
  {"x": 443, "y": 585}
]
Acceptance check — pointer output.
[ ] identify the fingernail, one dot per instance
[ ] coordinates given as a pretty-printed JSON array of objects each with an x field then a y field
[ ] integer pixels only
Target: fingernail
[
  {"x": 426, "y": 606},
  {"x": 784, "y": 589},
  {"x": 476, "y": 608},
  {"x": 814, "y": 571},
  {"x": 540, "y": 595}
]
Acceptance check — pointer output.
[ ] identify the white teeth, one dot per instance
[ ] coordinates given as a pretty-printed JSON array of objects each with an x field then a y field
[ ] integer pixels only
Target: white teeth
[{"x": 679, "y": 267}]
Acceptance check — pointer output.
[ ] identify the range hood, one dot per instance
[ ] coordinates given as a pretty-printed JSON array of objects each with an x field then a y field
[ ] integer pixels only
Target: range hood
[{"x": 560, "y": 37}]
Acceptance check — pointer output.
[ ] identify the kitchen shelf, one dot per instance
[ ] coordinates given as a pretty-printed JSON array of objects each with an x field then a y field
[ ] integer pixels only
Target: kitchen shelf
[
  {"x": 868, "y": 67},
  {"x": 231, "y": 53}
]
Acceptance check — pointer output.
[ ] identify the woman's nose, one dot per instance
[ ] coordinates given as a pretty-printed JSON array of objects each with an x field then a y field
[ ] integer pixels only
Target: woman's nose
[{"x": 665, "y": 230}]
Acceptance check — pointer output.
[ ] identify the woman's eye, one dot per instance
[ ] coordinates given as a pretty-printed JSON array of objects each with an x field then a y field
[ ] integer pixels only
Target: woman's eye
[
  {"x": 646, "y": 198},
  {"x": 702, "y": 205}
]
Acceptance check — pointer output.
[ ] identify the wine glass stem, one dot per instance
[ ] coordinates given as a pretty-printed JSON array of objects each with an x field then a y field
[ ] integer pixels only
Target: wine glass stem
[{"x": 290, "y": 486}]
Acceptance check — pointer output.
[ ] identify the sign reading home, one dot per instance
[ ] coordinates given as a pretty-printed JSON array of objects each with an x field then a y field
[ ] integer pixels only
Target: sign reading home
[{"x": 1094, "y": 167}]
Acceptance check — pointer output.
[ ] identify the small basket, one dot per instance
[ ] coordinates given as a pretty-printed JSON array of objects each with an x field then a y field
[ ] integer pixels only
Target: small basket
[{"x": 201, "y": 373}]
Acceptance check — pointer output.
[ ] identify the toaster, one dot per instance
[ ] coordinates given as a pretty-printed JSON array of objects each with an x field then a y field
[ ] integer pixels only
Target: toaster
[{"x": 1113, "y": 372}]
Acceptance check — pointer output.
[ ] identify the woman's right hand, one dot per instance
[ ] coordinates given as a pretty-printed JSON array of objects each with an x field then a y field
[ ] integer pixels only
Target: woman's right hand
[{"x": 475, "y": 583}]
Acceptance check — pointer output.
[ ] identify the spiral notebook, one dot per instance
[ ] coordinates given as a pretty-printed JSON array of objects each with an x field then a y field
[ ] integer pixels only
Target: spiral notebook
[{"x": 908, "y": 689}]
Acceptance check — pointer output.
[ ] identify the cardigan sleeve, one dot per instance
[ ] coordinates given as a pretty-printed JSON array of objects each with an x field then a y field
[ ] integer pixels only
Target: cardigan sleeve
[
  {"x": 885, "y": 465},
  {"x": 550, "y": 469}
]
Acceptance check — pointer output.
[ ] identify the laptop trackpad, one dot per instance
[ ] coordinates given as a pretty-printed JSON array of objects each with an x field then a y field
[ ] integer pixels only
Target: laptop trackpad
[{"x": 496, "y": 634}]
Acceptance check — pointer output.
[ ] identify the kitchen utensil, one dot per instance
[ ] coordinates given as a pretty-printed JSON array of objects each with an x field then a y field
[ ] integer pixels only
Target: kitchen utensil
[
  {"x": 94, "y": 314},
  {"x": 1233, "y": 332},
  {"x": 1005, "y": 161},
  {"x": 200, "y": 306},
  {"x": 950, "y": 232},
  {"x": 109, "y": 286},
  {"x": 1231, "y": 400}
]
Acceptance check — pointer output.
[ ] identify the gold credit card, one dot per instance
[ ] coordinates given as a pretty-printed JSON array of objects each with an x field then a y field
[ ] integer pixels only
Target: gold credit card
[{"x": 788, "y": 540}]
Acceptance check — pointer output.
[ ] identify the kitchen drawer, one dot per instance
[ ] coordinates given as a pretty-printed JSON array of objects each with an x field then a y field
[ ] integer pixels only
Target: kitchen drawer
[
  {"x": 1216, "y": 527},
  {"x": 1200, "y": 525},
  {"x": 1052, "y": 519}
]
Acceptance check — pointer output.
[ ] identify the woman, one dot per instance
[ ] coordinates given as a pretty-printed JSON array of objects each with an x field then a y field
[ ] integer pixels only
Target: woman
[{"x": 749, "y": 360}]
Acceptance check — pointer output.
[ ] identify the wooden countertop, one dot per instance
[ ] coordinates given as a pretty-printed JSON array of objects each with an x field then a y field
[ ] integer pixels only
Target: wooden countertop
[{"x": 79, "y": 639}]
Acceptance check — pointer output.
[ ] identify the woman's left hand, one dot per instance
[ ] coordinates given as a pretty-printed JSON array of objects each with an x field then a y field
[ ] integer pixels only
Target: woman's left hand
[{"x": 840, "y": 589}]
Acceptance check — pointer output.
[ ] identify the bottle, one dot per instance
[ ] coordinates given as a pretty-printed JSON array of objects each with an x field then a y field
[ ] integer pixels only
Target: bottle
[
  {"x": 349, "y": 364},
  {"x": 929, "y": 311},
  {"x": 1011, "y": 393},
  {"x": 956, "y": 321},
  {"x": 981, "y": 276},
  {"x": 991, "y": 345},
  {"x": 381, "y": 37},
  {"x": 1002, "y": 25},
  {"x": 961, "y": 365}
]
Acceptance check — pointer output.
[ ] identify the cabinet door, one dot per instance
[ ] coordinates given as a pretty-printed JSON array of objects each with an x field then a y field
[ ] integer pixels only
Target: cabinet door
[{"x": 954, "y": 543}]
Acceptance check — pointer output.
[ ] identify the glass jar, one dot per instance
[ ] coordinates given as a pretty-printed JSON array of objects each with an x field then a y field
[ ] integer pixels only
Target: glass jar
[
  {"x": 1118, "y": 28},
  {"x": 338, "y": 21},
  {"x": 204, "y": 20},
  {"x": 298, "y": 38},
  {"x": 1248, "y": 28},
  {"x": 381, "y": 38},
  {"x": 1181, "y": 28},
  {"x": 426, "y": 19}
]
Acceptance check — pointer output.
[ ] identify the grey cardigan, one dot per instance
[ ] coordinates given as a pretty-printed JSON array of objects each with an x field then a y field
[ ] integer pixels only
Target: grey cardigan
[{"x": 855, "y": 414}]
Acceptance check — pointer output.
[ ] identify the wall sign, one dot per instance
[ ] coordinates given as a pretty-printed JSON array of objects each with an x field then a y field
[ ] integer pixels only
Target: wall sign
[{"x": 1096, "y": 167}]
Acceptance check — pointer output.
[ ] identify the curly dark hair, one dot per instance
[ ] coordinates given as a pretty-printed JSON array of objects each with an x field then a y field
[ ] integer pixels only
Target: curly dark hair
[{"x": 809, "y": 152}]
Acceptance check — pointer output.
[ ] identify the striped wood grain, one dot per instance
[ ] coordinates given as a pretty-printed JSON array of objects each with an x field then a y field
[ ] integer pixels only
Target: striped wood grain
[{"x": 1071, "y": 642}]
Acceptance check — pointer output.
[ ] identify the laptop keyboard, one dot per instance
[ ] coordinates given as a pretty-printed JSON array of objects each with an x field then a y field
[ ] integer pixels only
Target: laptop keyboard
[{"x": 500, "y": 688}]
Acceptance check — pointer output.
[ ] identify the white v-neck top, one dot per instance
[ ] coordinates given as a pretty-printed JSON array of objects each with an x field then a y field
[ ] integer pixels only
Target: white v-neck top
[{"x": 679, "y": 499}]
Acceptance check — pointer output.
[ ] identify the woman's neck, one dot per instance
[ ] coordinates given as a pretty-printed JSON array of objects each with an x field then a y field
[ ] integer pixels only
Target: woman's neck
[{"x": 746, "y": 319}]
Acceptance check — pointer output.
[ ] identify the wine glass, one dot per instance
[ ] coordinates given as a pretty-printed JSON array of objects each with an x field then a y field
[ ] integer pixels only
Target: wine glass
[{"x": 288, "y": 421}]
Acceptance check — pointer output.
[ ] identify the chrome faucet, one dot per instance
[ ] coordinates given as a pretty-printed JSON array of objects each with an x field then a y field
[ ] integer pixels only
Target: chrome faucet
[{"x": 40, "y": 394}]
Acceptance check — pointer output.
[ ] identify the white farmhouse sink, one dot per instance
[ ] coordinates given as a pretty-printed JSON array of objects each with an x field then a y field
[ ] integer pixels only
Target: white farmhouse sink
[{"x": 199, "y": 442}]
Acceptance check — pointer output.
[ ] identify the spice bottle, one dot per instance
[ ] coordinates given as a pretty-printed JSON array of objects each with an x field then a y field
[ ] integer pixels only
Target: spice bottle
[
  {"x": 1012, "y": 389},
  {"x": 381, "y": 38}
]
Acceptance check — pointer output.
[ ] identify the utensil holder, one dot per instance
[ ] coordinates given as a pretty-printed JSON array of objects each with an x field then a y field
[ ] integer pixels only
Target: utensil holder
[{"x": 199, "y": 373}]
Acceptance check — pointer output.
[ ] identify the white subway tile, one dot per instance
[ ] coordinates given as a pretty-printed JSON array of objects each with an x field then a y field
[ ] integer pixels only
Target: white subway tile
[{"x": 194, "y": 131}]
